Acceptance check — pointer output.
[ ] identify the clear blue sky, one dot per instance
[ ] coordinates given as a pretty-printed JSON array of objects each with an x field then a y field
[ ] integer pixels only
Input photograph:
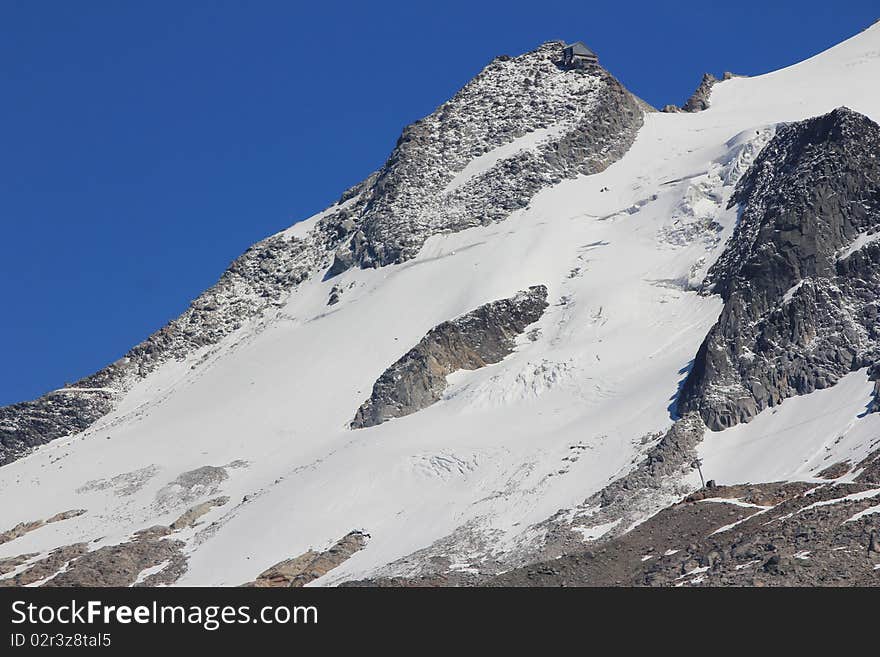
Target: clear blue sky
[{"x": 144, "y": 145}]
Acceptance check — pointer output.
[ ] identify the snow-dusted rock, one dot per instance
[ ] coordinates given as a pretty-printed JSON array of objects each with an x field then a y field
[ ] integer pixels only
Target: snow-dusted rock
[{"x": 797, "y": 317}]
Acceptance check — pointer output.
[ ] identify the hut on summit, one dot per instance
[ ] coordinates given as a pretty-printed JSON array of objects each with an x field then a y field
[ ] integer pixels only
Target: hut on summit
[{"x": 577, "y": 55}]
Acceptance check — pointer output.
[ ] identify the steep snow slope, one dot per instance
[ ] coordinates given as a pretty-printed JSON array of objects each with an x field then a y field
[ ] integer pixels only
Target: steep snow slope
[
  {"x": 798, "y": 439},
  {"x": 573, "y": 408}
]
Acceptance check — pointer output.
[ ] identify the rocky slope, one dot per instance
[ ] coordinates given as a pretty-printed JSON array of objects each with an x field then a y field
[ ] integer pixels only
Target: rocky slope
[
  {"x": 443, "y": 174},
  {"x": 774, "y": 534},
  {"x": 799, "y": 276},
  {"x": 785, "y": 534},
  {"x": 479, "y": 338},
  {"x": 311, "y": 565}
]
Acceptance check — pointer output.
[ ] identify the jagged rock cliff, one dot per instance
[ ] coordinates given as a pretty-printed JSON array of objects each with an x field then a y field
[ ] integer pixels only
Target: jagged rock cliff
[
  {"x": 800, "y": 276},
  {"x": 479, "y": 338},
  {"x": 445, "y": 174},
  {"x": 699, "y": 100}
]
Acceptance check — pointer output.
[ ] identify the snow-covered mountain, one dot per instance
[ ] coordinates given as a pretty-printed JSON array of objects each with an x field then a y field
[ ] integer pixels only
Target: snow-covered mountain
[{"x": 510, "y": 346}]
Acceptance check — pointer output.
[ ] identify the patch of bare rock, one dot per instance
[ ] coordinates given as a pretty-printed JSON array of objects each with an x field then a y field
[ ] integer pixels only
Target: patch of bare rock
[
  {"x": 46, "y": 567},
  {"x": 870, "y": 468},
  {"x": 122, "y": 564},
  {"x": 150, "y": 557},
  {"x": 191, "y": 516},
  {"x": 192, "y": 485},
  {"x": 23, "y": 528},
  {"x": 790, "y": 534},
  {"x": 311, "y": 565},
  {"x": 481, "y": 337}
]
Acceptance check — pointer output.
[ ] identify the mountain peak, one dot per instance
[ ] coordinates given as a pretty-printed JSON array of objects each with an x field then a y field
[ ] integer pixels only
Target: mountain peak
[{"x": 522, "y": 124}]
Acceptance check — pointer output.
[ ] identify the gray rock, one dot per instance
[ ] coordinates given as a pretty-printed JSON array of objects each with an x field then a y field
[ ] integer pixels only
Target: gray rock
[
  {"x": 189, "y": 486},
  {"x": 191, "y": 516},
  {"x": 483, "y": 336},
  {"x": 797, "y": 315},
  {"x": 699, "y": 100},
  {"x": 410, "y": 200}
]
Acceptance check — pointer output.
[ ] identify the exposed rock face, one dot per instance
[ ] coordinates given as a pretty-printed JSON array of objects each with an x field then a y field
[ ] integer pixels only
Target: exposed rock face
[
  {"x": 311, "y": 565},
  {"x": 190, "y": 486},
  {"x": 835, "y": 470},
  {"x": 784, "y": 534},
  {"x": 29, "y": 424},
  {"x": 120, "y": 565},
  {"x": 253, "y": 283},
  {"x": 699, "y": 100},
  {"x": 776, "y": 534},
  {"x": 655, "y": 482},
  {"x": 48, "y": 566},
  {"x": 23, "y": 528},
  {"x": 111, "y": 565},
  {"x": 800, "y": 275},
  {"x": 673, "y": 455},
  {"x": 483, "y": 336},
  {"x": 593, "y": 119},
  {"x": 587, "y": 121},
  {"x": 191, "y": 516},
  {"x": 149, "y": 558},
  {"x": 870, "y": 468},
  {"x": 8, "y": 564}
]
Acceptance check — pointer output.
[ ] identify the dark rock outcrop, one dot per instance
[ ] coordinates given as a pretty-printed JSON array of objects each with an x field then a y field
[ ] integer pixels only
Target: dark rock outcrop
[
  {"x": 253, "y": 283},
  {"x": 673, "y": 455},
  {"x": 123, "y": 564},
  {"x": 656, "y": 481},
  {"x": 699, "y": 100},
  {"x": 481, "y": 337},
  {"x": 29, "y": 424},
  {"x": 773, "y": 534},
  {"x": 800, "y": 275},
  {"x": 411, "y": 197},
  {"x": 8, "y": 564}
]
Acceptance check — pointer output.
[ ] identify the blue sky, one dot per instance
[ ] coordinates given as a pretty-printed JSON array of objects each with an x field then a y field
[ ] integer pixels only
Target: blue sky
[{"x": 143, "y": 146}]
